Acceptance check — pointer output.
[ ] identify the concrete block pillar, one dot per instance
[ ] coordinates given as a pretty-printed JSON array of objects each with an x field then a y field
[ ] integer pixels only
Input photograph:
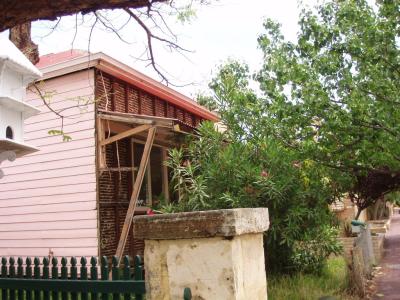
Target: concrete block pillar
[{"x": 218, "y": 254}]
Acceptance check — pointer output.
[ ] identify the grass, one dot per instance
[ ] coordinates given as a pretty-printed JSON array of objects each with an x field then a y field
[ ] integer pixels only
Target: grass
[{"x": 333, "y": 281}]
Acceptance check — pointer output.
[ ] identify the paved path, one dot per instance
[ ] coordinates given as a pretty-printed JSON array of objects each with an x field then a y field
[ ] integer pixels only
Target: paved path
[{"x": 388, "y": 284}]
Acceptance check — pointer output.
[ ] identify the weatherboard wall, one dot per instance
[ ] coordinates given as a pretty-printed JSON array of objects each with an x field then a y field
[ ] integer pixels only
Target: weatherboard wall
[{"x": 48, "y": 198}]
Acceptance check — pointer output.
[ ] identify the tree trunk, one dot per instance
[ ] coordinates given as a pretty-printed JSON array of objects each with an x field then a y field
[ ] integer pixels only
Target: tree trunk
[
  {"x": 16, "y": 12},
  {"x": 375, "y": 210},
  {"x": 20, "y": 35},
  {"x": 382, "y": 210},
  {"x": 359, "y": 210}
]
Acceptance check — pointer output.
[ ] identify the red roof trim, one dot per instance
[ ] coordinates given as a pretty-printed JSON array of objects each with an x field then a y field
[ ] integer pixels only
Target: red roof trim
[
  {"x": 69, "y": 61},
  {"x": 55, "y": 58}
]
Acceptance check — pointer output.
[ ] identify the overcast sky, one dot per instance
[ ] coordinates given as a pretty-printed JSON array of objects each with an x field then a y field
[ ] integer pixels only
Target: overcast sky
[{"x": 224, "y": 29}]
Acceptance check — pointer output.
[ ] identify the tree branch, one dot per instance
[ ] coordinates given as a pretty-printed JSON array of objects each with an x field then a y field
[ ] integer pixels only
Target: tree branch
[
  {"x": 13, "y": 13},
  {"x": 150, "y": 38}
]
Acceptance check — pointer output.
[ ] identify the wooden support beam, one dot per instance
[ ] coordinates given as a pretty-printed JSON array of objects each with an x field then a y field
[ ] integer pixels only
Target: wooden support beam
[
  {"x": 120, "y": 169},
  {"x": 135, "y": 193},
  {"x": 149, "y": 191},
  {"x": 158, "y": 143},
  {"x": 136, "y": 119},
  {"x": 129, "y": 120},
  {"x": 132, "y": 144},
  {"x": 165, "y": 187},
  {"x": 101, "y": 151},
  {"x": 124, "y": 134}
]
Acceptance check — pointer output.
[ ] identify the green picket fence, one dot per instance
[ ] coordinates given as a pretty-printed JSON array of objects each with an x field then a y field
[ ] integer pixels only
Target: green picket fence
[{"x": 40, "y": 281}]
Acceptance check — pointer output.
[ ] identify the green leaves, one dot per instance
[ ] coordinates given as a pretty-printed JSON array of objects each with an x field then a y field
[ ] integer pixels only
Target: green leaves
[
  {"x": 326, "y": 121},
  {"x": 334, "y": 94},
  {"x": 65, "y": 137}
]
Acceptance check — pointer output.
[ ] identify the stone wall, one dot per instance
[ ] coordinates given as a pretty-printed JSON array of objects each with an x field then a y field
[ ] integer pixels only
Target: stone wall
[
  {"x": 217, "y": 254},
  {"x": 377, "y": 244}
]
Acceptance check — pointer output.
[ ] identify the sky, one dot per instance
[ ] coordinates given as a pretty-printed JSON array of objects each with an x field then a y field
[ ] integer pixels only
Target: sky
[{"x": 221, "y": 30}]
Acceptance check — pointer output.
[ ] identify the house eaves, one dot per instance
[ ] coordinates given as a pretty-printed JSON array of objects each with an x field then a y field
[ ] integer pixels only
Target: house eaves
[{"x": 120, "y": 70}]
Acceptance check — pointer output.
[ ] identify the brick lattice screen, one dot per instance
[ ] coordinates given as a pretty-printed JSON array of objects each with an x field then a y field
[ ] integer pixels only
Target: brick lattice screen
[{"x": 114, "y": 189}]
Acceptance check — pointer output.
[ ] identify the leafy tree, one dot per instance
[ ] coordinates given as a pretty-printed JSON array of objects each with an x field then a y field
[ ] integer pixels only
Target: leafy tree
[
  {"x": 324, "y": 123},
  {"x": 333, "y": 95},
  {"x": 222, "y": 170}
]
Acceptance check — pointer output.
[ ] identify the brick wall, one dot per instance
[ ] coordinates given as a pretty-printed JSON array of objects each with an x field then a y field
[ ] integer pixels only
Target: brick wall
[
  {"x": 113, "y": 198},
  {"x": 114, "y": 188},
  {"x": 377, "y": 245},
  {"x": 122, "y": 97}
]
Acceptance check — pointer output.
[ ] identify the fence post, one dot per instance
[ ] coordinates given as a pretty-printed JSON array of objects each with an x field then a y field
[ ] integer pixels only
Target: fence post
[
  {"x": 216, "y": 254},
  {"x": 84, "y": 276},
  {"x": 127, "y": 274},
  {"x": 94, "y": 276},
  {"x": 46, "y": 275},
  {"x": 28, "y": 275},
  {"x": 115, "y": 273},
  {"x": 20, "y": 274},
  {"x": 4, "y": 274},
  {"x": 138, "y": 274},
  {"x": 74, "y": 275},
  {"x": 54, "y": 275},
  {"x": 64, "y": 275},
  {"x": 11, "y": 273},
  {"x": 36, "y": 275},
  {"x": 104, "y": 274},
  {"x": 187, "y": 294}
]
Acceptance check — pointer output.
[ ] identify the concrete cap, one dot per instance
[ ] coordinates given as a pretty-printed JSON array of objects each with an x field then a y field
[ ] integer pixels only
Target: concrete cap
[{"x": 201, "y": 224}]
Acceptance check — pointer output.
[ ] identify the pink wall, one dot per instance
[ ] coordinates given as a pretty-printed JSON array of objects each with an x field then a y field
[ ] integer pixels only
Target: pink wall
[{"x": 48, "y": 198}]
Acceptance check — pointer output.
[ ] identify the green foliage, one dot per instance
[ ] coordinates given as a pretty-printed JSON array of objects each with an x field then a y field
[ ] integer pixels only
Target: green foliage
[
  {"x": 331, "y": 281},
  {"x": 311, "y": 252},
  {"x": 333, "y": 94},
  {"x": 393, "y": 197},
  {"x": 185, "y": 180},
  {"x": 65, "y": 137},
  {"x": 206, "y": 101},
  {"x": 186, "y": 14},
  {"x": 185, "y": 10},
  {"x": 218, "y": 170},
  {"x": 325, "y": 122}
]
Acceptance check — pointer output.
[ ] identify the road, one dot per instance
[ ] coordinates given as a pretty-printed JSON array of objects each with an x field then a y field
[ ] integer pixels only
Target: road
[{"x": 388, "y": 284}]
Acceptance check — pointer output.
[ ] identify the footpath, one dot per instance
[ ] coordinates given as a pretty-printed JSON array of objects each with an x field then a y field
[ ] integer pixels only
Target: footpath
[{"x": 388, "y": 284}]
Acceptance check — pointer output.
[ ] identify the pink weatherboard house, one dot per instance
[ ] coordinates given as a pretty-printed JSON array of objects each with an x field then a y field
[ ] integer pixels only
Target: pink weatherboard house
[{"x": 71, "y": 198}]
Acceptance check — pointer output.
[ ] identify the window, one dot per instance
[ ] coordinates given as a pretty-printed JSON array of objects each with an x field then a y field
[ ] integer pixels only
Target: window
[{"x": 9, "y": 133}]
